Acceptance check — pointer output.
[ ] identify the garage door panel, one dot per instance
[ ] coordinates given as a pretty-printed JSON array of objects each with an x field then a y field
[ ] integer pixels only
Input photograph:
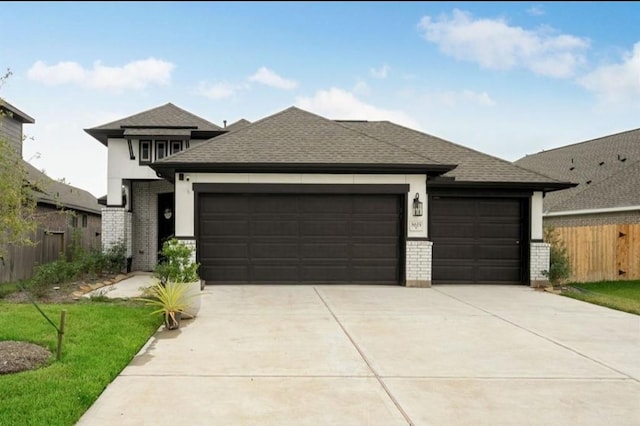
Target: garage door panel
[
  {"x": 382, "y": 251},
  {"x": 447, "y": 251},
  {"x": 274, "y": 273},
  {"x": 488, "y": 274},
  {"x": 326, "y": 250},
  {"x": 497, "y": 208},
  {"x": 375, "y": 273},
  {"x": 224, "y": 272},
  {"x": 375, "y": 228},
  {"x": 223, "y": 204},
  {"x": 277, "y": 228},
  {"x": 452, "y": 230},
  {"x": 313, "y": 228},
  {"x": 224, "y": 228},
  {"x": 281, "y": 250},
  {"x": 300, "y": 238},
  {"x": 325, "y": 273},
  {"x": 497, "y": 252},
  {"x": 228, "y": 250},
  {"x": 499, "y": 230},
  {"x": 325, "y": 205}
]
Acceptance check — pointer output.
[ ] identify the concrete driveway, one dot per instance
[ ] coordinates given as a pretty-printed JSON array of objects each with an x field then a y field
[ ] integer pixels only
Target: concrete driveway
[{"x": 365, "y": 355}]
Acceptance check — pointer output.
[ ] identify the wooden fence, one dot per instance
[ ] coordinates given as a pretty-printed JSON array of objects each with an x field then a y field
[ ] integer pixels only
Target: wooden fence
[
  {"x": 603, "y": 252},
  {"x": 20, "y": 261}
]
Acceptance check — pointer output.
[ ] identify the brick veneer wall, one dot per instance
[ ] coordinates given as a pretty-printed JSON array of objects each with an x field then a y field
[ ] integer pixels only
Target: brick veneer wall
[
  {"x": 418, "y": 263},
  {"x": 145, "y": 222},
  {"x": 539, "y": 262}
]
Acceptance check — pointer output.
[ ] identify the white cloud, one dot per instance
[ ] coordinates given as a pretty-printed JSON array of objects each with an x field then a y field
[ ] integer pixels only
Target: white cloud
[
  {"x": 381, "y": 72},
  {"x": 135, "y": 75},
  {"x": 494, "y": 44},
  {"x": 464, "y": 97},
  {"x": 220, "y": 90},
  {"x": 269, "y": 78},
  {"x": 616, "y": 82},
  {"x": 536, "y": 10},
  {"x": 340, "y": 104}
]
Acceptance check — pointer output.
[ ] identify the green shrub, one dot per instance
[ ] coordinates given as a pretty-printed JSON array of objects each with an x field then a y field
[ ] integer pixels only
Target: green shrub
[
  {"x": 176, "y": 264},
  {"x": 559, "y": 262},
  {"x": 115, "y": 259},
  {"x": 50, "y": 274}
]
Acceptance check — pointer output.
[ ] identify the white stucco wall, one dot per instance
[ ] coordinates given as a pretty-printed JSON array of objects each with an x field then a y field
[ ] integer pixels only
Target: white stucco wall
[
  {"x": 120, "y": 166},
  {"x": 185, "y": 215}
]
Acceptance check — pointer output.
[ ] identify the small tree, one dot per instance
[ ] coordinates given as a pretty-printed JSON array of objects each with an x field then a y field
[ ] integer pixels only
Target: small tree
[
  {"x": 17, "y": 201},
  {"x": 559, "y": 262}
]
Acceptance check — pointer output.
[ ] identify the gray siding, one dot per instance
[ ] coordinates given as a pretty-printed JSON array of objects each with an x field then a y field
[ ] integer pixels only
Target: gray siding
[{"x": 11, "y": 130}]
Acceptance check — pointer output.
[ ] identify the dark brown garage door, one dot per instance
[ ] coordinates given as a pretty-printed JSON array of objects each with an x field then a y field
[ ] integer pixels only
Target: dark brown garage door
[
  {"x": 477, "y": 240},
  {"x": 295, "y": 238}
]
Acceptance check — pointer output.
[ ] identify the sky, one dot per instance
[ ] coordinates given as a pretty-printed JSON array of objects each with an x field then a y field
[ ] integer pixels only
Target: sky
[{"x": 504, "y": 78}]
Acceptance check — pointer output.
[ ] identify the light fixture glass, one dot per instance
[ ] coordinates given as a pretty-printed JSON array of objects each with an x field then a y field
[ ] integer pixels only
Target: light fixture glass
[
  {"x": 417, "y": 205},
  {"x": 168, "y": 213}
]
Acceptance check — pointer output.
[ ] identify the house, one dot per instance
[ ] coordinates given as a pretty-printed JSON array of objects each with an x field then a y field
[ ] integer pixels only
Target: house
[
  {"x": 599, "y": 219},
  {"x": 66, "y": 214},
  {"x": 299, "y": 198}
]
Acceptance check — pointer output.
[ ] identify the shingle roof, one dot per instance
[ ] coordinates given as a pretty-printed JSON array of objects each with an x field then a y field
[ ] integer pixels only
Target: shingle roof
[
  {"x": 52, "y": 192},
  {"x": 606, "y": 169},
  {"x": 237, "y": 125},
  {"x": 167, "y": 116},
  {"x": 297, "y": 136},
  {"x": 473, "y": 166}
]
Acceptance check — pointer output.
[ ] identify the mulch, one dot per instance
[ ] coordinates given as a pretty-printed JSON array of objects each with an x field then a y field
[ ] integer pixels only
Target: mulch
[{"x": 20, "y": 356}]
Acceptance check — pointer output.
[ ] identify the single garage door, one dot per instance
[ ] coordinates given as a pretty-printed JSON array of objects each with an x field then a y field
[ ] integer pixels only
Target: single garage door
[
  {"x": 299, "y": 238},
  {"x": 477, "y": 240}
]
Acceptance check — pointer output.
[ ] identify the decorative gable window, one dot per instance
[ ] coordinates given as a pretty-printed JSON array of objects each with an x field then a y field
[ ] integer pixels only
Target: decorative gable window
[
  {"x": 176, "y": 146},
  {"x": 145, "y": 151},
  {"x": 161, "y": 150}
]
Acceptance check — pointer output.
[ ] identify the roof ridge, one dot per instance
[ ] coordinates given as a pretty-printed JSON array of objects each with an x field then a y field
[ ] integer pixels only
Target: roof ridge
[{"x": 384, "y": 141}]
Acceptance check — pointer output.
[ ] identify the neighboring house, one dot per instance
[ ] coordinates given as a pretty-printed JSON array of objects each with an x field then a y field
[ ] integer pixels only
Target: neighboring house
[
  {"x": 599, "y": 219},
  {"x": 298, "y": 198},
  {"x": 63, "y": 212}
]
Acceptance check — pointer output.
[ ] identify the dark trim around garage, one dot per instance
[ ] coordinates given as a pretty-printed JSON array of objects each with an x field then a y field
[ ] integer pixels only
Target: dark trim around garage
[{"x": 294, "y": 188}]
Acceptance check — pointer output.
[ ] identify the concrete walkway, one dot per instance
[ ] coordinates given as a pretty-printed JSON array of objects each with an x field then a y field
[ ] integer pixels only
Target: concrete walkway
[{"x": 364, "y": 355}]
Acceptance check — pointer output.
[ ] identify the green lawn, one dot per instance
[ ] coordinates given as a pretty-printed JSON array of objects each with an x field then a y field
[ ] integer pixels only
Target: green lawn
[
  {"x": 100, "y": 340},
  {"x": 620, "y": 295}
]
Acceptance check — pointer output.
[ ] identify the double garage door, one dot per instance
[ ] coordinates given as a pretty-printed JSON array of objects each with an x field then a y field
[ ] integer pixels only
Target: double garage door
[{"x": 300, "y": 238}]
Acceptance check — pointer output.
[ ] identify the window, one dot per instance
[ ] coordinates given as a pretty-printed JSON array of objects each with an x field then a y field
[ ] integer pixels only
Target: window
[
  {"x": 176, "y": 146},
  {"x": 84, "y": 220},
  {"x": 73, "y": 221},
  {"x": 131, "y": 155},
  {"x": 161, "y": 149},
  {"x": 145, "y": 151}
]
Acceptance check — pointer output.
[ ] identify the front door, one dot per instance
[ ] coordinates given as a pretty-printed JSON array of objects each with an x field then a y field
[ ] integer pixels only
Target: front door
[{"x": 166, "y": 219}]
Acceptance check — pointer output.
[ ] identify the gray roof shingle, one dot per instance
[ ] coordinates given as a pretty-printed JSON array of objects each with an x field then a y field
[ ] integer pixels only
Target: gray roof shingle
[
  {"x": 237, "y": 125},
  {"x": 167, "y": 115},
  {"x": 473, "y": 166},
  {"x": 606, "y": 170},
  {"x": 56, "y": 193},
  {"x": 300, "y": 137}
]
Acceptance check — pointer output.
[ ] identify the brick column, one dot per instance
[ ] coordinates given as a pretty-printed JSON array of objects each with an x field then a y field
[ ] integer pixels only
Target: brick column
[
  {"x": 114, "y": 227},
  {"x": 539, "y": 262},
  {"x": 418, "y": 263}
]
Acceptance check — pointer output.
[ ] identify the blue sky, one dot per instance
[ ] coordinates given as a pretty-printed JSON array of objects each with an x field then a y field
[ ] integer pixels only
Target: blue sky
[{"x": 505, "y": 78}]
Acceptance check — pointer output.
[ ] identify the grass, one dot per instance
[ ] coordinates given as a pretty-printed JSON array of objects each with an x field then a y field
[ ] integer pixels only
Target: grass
[
  {"x": 100, "y": 340},
  {"x": 620, "y": 295}
]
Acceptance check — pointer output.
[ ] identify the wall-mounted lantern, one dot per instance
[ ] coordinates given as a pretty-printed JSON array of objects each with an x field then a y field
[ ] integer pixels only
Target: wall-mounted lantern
[
  {"x": 417, "y": 205},
  {"x": 168, "y": 213}
]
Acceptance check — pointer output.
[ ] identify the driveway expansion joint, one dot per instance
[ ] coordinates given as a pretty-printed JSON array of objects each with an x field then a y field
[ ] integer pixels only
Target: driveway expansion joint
[{"x": 364, "y": 358}]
